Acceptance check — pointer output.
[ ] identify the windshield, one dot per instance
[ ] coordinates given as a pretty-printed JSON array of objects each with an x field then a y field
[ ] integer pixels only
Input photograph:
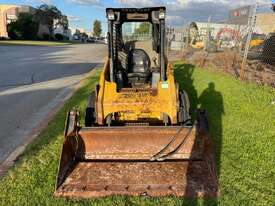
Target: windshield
[{"x": 136, "y": 31}]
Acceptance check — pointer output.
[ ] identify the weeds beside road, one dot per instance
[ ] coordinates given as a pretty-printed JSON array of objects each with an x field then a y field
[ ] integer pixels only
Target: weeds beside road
[{"x": 242, "y": 128}]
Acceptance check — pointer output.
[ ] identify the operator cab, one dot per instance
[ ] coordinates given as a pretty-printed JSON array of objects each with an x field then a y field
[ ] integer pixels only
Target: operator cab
[{"x": 136, "y": 37}]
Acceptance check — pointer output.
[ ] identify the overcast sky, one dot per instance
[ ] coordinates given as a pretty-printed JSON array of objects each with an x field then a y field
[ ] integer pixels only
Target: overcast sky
[{"x": 82, "y": 13}]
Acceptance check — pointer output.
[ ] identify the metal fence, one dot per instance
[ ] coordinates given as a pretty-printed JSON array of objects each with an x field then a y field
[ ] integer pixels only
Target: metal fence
[{"x": 243, "y": 46}]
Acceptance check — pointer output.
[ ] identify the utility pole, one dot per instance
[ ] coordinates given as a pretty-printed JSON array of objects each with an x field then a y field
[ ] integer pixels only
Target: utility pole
[
  {"x": 187, "y": 35},
  {"x": 208, "y": 35},
  {"x": 251, "y": 25},
  {"x": 183, "y": 36}
]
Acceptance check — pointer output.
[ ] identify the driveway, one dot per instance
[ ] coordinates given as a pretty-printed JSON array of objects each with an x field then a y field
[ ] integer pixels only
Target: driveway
[{"x": 33, "y": 81}]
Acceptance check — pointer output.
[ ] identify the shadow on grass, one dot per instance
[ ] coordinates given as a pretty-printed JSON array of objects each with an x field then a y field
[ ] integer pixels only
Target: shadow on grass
[{"x": 211, "y": 100}]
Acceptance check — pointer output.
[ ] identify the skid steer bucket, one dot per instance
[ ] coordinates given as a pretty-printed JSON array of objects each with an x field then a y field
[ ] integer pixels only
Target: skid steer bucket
[{"x": 141, "y": 160}]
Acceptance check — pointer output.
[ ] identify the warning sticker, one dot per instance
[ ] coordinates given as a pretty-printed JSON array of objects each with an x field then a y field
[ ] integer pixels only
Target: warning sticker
[{"x": 164, "y": 85}]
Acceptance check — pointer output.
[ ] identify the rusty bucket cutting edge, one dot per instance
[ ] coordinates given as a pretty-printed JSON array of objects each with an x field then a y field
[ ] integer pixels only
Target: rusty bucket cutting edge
[{"x": 103, "y": 161}]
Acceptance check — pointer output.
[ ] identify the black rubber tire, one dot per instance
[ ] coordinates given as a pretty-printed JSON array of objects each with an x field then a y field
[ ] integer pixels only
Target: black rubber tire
[
  {"x": 183, "y": 114},
  {"x": 90, "y": 111}
]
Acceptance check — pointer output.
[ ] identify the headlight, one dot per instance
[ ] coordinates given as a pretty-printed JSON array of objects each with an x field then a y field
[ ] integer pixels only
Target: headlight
[
  {"x": 111, "y": 16},
  {"x": 161, "y": 15}
]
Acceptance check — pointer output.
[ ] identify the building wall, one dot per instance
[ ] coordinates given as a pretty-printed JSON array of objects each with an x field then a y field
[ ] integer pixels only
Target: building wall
[
  {"x": 214, "y": 27},
  {"x": 239, "y": 16},
  {"x": 7, "y": 13},
  {"x": 10, "y": 13},
  {"x": 26, "y": 9},
  {"x": 266, "y": 22},
  {"x": 43, "y": 29}
]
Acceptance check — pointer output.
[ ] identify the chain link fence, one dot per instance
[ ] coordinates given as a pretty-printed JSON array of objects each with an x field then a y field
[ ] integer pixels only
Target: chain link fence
[{"x": 243, "y": 45}]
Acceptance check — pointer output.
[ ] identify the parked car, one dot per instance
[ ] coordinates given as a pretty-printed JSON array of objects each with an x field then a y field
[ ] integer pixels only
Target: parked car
[
  {"x": 91, "y": 39},
  {"x": 75, "y": 37},
  {"x": 105, "y": 40}
]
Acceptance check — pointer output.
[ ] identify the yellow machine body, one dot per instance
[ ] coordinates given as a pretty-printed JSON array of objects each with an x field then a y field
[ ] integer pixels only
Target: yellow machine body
[
  {"x": 138, "y": 138},
  {"x": 256, "y": 42},
  {"x": 134, "y": 104}
]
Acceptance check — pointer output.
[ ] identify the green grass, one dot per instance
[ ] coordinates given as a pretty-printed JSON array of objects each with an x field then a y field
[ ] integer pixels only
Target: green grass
[
  {"x": 35, "y": 43},
  {"x": 242, "y": 121}
]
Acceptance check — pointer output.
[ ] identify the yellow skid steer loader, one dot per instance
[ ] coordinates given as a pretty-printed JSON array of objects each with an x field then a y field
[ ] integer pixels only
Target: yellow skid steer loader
[{"x": 138, "y": 137}]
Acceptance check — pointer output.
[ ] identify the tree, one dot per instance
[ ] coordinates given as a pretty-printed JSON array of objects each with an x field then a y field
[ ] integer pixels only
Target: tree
[
  {"x": 14, "y": 30},
  {"x": 63, "y": 21},
  {"x": 59, "y": 37},
  {"x": 143, "y": 28},
  {"x": 48, "y": 14},
  {"x": 26, "y": 27},
  {"x": 97, "y": 28}
]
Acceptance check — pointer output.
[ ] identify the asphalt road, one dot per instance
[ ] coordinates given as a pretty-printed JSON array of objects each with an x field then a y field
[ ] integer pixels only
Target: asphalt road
[{"x": 33, "y": 81}]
